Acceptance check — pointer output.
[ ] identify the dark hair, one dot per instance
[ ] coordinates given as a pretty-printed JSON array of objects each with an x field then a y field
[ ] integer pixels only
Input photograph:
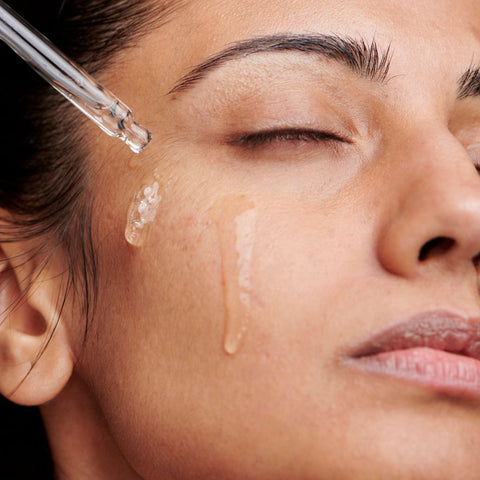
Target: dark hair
[{"x": 46, "y": 185}]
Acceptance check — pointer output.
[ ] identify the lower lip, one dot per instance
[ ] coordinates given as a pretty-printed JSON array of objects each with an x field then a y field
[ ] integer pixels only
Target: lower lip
[{"x": 439, "y": 371}]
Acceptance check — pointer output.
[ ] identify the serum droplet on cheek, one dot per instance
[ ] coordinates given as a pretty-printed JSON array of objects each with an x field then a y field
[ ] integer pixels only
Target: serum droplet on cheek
[
  {"x": 142, "y": 213},
  {"x": 237, "y": 234}
]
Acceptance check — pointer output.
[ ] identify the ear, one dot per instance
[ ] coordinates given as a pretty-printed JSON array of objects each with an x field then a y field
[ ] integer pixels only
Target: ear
[{"x": 36, "y": 360}]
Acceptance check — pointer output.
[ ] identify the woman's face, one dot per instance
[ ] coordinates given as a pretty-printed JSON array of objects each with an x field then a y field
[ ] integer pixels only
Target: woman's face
[{"x": 313, "y": 255}]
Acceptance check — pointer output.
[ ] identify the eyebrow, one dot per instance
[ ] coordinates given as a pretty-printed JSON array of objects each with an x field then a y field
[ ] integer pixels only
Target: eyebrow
[
  {"x": 469, "y": 83},
  {"x": 363, "y": 58}
]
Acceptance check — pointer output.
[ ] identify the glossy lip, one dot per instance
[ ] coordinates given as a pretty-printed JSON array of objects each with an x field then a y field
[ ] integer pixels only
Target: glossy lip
[{"x": 436, "y": 350}]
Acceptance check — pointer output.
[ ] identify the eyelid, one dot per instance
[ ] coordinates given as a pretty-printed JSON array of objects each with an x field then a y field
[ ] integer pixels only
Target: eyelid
[{"x": 285, "y": 134}]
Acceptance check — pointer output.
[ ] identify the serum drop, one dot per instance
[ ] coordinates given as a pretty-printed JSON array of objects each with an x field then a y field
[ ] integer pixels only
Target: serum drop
[
  {"x": 142, "y": 212},
  {"x": 236, "y": 227}
]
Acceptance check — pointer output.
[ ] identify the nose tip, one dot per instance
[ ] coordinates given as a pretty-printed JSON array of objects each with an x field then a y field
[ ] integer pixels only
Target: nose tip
[
  {"x": 433, "y": 218},
  {"x": 431, "y": 235}
]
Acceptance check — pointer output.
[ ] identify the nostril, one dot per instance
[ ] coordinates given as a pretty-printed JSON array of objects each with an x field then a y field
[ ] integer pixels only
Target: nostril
[
  {"x": 436, "y": 246},
  {"x": 476, "y": 260}
]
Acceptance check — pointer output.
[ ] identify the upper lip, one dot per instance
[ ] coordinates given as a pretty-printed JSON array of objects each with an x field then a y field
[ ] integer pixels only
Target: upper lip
[{"x": 438, "y": 330}]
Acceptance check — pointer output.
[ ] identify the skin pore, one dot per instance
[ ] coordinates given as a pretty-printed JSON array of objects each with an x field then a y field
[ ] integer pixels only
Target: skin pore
[{"x": 349, "y": 178}]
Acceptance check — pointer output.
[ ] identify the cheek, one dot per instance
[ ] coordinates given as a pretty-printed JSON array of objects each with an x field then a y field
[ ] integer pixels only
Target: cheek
[
  {"x": 270, "y": 264},
  {"x": 250, "y": 277},
  {"x": 285, "y": 270}
]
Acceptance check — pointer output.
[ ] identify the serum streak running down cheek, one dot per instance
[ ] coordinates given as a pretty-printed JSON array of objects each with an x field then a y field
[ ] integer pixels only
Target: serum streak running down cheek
[
  {"x": 142, "y": 212},
  {"x": 237, "y": 234}
]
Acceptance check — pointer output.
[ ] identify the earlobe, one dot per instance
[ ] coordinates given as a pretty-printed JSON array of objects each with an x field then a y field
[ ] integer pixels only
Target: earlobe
[{"x": 35, "y": 355}]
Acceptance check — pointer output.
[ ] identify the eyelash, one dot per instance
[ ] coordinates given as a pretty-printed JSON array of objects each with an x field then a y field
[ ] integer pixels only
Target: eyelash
[{"x": 294, "y": 135}]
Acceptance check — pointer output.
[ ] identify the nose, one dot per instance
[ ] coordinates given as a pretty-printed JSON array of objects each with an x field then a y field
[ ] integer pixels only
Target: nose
[{"x": 433, "y": 213}]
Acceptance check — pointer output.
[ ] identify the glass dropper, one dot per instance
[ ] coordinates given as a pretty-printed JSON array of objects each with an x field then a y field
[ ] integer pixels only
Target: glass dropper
[{"x": 76, "y": 85}]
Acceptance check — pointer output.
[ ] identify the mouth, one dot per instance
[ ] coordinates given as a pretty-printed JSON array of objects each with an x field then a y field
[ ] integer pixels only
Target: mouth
[{"x": 437, "y": 350}]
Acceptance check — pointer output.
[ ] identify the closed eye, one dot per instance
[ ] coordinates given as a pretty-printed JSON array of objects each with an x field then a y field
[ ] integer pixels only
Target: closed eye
[{"x": 287, "y": 135}]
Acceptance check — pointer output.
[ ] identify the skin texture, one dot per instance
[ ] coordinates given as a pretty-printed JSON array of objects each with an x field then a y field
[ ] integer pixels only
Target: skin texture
[{"x": 336, "y": 241}]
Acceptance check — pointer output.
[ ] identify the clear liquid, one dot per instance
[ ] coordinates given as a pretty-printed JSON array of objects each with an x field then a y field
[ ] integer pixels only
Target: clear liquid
[
  {"x": 237, "y": 234},
  {"x": 142, "y": 212}
]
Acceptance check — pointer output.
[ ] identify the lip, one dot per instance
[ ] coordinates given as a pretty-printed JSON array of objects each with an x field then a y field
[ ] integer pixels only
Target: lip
[{"x": 439, "y": 351}]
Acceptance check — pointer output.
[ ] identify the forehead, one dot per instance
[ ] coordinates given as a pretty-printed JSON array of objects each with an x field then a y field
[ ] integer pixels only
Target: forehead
[
  {"x": 425, "y": 18},
  {"x": 426, "y": 30}
]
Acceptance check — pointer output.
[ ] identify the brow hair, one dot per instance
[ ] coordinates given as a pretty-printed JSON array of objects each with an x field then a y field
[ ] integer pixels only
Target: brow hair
[
  {"x": 364, "y": 58},
  {"x": 469, "y": 83}
]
